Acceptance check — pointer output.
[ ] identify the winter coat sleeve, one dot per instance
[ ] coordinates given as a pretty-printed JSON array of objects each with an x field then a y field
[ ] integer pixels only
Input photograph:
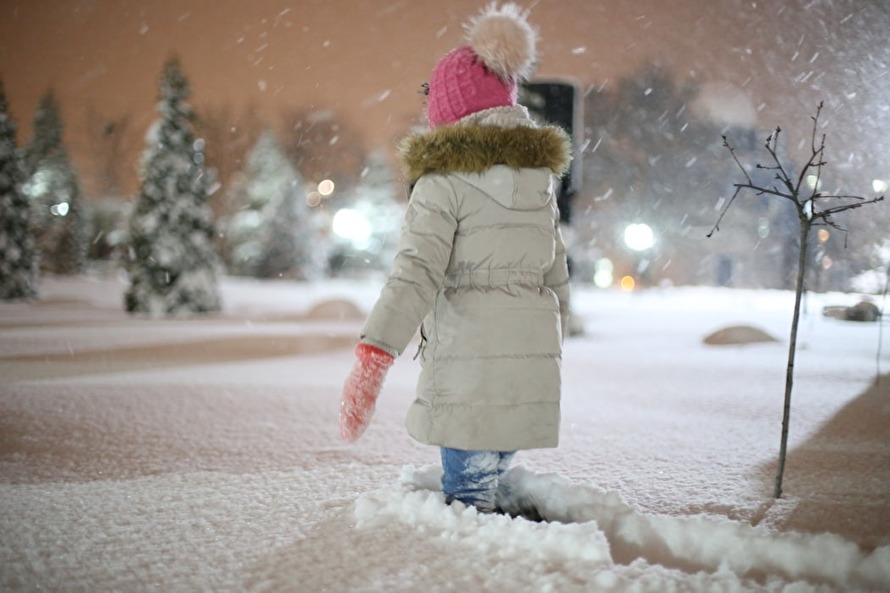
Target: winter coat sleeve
[
  {"x": 418, "y": 269},
  {"x": 557, "y": 279}
]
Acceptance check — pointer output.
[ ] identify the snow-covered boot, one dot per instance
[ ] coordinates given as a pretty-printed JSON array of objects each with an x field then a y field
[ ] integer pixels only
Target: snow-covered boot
[{"x": 512, "y": 499}]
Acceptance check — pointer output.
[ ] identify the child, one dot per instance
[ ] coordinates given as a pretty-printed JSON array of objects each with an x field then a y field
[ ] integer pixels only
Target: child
[{"x": 481, "y": 268}]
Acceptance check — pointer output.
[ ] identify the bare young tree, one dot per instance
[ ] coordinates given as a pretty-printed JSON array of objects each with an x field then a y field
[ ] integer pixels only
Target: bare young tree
[{"x": 813, "y": 208}]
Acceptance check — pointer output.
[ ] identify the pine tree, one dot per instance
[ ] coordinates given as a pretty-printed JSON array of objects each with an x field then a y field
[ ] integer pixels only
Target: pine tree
[
  {"x": 55, "y": 194},
  {"x": 270, "y": 235},
  {"x": 47, "y": 134},
  {"x": 18, "y": 255},
  {"x": 174, "y": 267}
]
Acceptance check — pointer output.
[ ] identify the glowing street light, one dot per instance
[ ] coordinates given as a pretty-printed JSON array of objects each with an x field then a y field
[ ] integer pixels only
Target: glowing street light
[
  {"x": 603, "y": 274},
  {"x": 352, "y": 225},
  {"x": 60, "y": 209},
  {"x": 325, "y": 187},
  {"x": 814, "y": 182},
  {"x": 639, "y": 236}
]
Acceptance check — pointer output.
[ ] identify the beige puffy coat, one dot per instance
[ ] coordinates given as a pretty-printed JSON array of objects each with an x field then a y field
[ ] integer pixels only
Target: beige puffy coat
[{"x": 481, "y": 265}]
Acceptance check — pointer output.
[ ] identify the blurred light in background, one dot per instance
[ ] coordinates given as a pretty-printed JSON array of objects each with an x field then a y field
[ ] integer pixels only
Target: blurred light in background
[
  {"x": 59, "y": 209},
  {"x": 639, "y": 236},
  {"x": 325, "y": 187},
  {"x": 603, "y": 273},
  {"x": 814, "y": 182},
  {"x": 352, "y": 225}
]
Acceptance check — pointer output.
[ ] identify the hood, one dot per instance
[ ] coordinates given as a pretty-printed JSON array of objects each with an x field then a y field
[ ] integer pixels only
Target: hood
[
  {"x": 500, "y": 136},
  {"x": 502, "y": 184}
]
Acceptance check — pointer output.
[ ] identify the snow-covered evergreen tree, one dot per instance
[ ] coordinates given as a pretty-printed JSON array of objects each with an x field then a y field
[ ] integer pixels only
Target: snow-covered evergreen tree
[
  {"x": 173, "y": 266},
  {"x": 270, "y": 234},
  {"x": 18, "y": 255},
  {"x": 55, "y": 194}
]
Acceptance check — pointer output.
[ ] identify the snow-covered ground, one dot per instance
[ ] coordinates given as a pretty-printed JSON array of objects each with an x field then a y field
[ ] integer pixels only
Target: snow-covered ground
[{"x": 202, "y": 455}]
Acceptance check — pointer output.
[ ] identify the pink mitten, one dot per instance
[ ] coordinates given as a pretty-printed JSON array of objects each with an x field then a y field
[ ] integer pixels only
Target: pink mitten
[{"x": 361, "y": 390}]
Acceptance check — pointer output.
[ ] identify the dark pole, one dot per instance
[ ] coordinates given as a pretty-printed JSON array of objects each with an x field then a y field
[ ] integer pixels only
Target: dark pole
[{"x": 558, "y": 102}]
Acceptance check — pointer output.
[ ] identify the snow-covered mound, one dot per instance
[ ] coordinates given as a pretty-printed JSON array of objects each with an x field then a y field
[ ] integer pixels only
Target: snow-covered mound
[{"x": 738, "y": 335}]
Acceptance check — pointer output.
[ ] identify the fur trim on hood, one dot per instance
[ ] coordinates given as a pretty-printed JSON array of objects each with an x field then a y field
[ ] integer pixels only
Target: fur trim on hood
[{"x": 474, "y": 148}]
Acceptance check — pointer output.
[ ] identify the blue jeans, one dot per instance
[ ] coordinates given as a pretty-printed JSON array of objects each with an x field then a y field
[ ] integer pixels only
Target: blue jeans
[{"x": 472, "y": 476}]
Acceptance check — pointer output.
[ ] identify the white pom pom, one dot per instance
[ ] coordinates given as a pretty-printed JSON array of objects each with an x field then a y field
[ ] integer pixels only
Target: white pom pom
[{"x": 504, "y": 40}]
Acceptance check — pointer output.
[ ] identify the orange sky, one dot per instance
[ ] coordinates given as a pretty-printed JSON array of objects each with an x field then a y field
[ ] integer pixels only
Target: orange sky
[{"x": 366, "y": 58}]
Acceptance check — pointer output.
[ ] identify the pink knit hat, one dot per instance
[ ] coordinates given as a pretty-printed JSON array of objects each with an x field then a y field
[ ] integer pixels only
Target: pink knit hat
[{"x": 483, "y": 74}]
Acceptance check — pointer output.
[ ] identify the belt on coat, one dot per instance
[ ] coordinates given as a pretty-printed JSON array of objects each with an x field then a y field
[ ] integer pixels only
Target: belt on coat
[{"x": 500, "y": 277}]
